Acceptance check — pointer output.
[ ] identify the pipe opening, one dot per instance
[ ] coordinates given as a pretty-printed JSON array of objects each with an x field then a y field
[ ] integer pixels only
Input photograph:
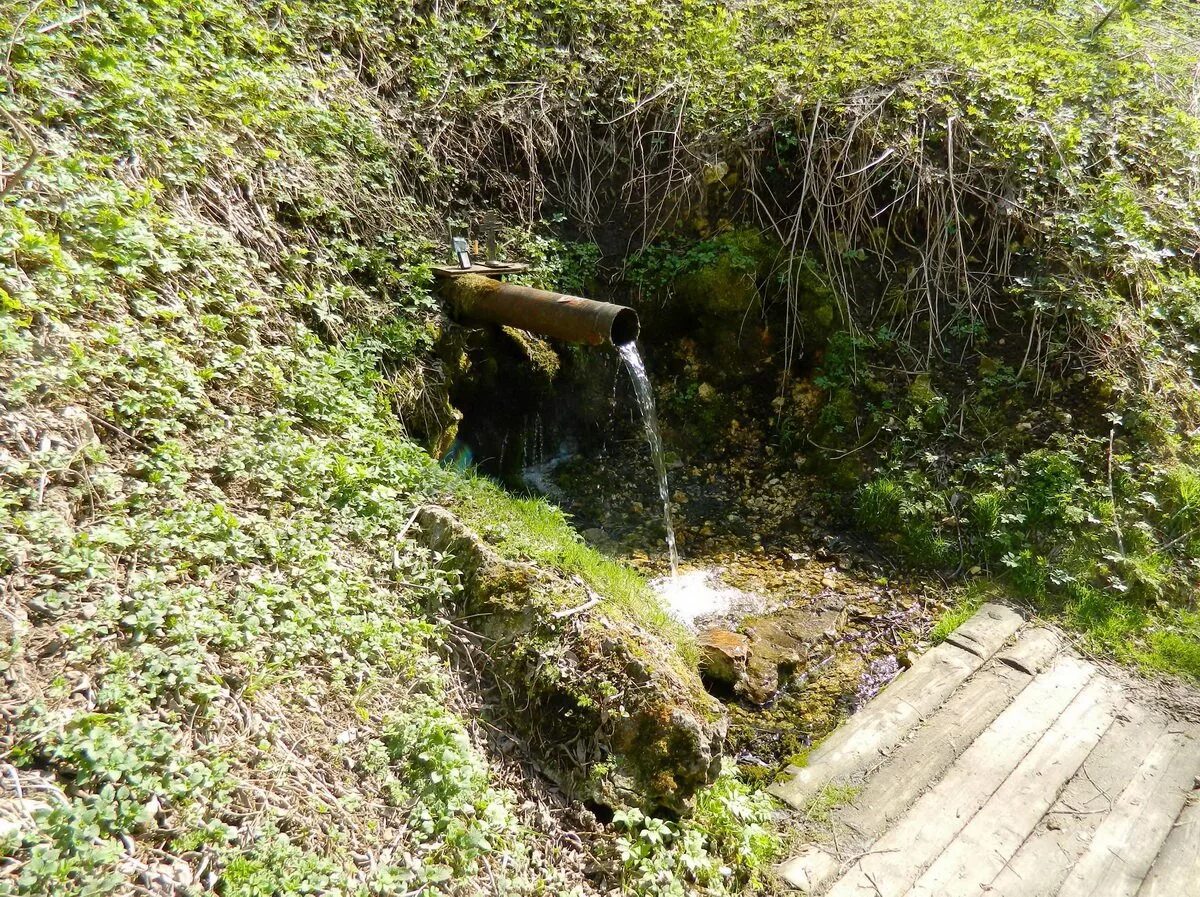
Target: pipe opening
[{"x": 625, "y": 327}]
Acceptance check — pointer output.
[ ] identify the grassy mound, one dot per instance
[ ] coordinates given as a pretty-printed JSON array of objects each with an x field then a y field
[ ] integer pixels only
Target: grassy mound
[{"x": 214, "y": 300}]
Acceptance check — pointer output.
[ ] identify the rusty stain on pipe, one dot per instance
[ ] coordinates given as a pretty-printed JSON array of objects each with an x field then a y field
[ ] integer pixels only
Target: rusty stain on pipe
[{"x": 564, "y": 317}]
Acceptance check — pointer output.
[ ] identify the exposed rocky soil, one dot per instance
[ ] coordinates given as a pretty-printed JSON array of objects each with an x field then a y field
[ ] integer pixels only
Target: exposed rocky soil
[{"x": 816, "y": 625}]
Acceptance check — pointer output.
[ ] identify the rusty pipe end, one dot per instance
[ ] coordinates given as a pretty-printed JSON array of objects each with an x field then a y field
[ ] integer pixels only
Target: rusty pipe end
[
  {"x": 570, "y": 318},
  {"x": 625, "y": 327}
]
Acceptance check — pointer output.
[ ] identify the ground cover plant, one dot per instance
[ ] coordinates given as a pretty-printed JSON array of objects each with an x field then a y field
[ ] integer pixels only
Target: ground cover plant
[{"x": 222, "y": 371}]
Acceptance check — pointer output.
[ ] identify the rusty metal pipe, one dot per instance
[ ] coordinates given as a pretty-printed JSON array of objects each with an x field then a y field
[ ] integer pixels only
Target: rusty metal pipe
[{"x": 570, "y": 318}]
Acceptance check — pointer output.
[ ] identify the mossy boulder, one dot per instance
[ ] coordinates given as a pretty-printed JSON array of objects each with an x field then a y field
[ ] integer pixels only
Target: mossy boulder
[
  {"x": 723, "y": 282},
  {"x": 421, "y": 392},
  {"x": 816, "y": 304},
  {"x": 607, "y": 709}
]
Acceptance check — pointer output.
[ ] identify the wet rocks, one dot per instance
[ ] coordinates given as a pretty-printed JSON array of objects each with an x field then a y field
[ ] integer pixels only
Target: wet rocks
[
  {"x": 723, "y": 655},
  {"x": 600, "y": 540},
  {"x": 780, "y": 643},
  {"x": 760, "y": 660}
]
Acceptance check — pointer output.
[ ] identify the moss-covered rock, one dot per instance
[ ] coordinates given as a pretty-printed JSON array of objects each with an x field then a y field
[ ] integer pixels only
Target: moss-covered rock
[
  {"x": 723, "y": 284},
  {"x": 603, "y": 703},
  {"x": 537, "y": 351}
]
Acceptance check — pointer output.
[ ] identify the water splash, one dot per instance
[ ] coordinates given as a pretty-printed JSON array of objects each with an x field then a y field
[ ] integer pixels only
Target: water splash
[
  {"x": 699, "y": 594},
  {"x": 641, "y": 385}
]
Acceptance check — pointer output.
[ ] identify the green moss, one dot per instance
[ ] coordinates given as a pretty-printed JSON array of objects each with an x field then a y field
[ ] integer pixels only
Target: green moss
[
  {"x": 820, "y": 809},
  {"x": 531, "y": 529},
  {"x": 537, "y": 350},
  {"x": 467, "y": 291}
]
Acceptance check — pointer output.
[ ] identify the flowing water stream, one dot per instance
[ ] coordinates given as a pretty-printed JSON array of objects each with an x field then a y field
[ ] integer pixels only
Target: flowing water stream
[{"x": 641, "y": 385}]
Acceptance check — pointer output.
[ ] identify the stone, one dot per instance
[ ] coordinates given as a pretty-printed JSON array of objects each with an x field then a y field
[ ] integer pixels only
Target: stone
[
  {"x": 632, "y": 701},
  {"x": 761, "y": 683},
  {"x": 809, "y": 870},
  {"x": 723, "y": 655},
  {"x": 598, "y": 539}
]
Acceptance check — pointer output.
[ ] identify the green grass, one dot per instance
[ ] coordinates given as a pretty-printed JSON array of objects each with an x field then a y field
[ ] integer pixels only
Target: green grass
[
  {"x": 1162, "y": 641},
  {"x": 1158, "y": 640},
  {"x": 966, "y": 602},
  {"x": 819, "y": 810},
  {"x": 533, "y": 530}
]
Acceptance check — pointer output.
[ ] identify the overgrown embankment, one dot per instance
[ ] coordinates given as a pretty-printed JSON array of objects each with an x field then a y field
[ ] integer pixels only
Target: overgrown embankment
[
  {"x": 963, "y": 240},
  {"x": 221, "y": 359},
  {"x": 222, "y": 669}
]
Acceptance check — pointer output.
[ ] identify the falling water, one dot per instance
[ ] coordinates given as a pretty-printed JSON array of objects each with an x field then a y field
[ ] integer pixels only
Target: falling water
[{"x": 641, "y": 385}]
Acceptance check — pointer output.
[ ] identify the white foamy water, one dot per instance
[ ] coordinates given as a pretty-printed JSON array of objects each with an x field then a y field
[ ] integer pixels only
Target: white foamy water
[{"x": 696, "y": 594}]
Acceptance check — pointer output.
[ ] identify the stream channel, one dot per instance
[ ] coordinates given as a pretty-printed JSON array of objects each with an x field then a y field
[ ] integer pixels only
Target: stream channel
[{"x": 798, "y": 625}]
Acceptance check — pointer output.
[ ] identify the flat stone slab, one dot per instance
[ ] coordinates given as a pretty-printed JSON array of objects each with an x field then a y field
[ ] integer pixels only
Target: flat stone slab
[
  {"x": 1002, "y": 767},
  {"x": 808, "y": 870}
]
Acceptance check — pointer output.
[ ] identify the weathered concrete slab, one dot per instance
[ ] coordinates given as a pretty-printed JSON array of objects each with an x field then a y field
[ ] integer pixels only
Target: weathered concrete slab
[
  {"x": 920, "y": 761},
  {"x": 1033, "y": 651},
  {"x": 809, "y": 870},
  {"x": 988, "y": 629}
]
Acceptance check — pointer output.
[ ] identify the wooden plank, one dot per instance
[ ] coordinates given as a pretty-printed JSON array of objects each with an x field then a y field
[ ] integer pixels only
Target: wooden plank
[
  {"x": 975, "y": 856},
  {"x": 497, "y": 270},
  {"x": 1033, "y": 651},
  {"x": 1046, "y": 858},
  {"x": 986, "y": 630},
  {"x": 1176, "y": 869},
  {"x": 920, "y": 761},
  {"x": 1128, "y": 840},
  {"x": 860, "y": 743},
  {"x": 920, "y": 835}
]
